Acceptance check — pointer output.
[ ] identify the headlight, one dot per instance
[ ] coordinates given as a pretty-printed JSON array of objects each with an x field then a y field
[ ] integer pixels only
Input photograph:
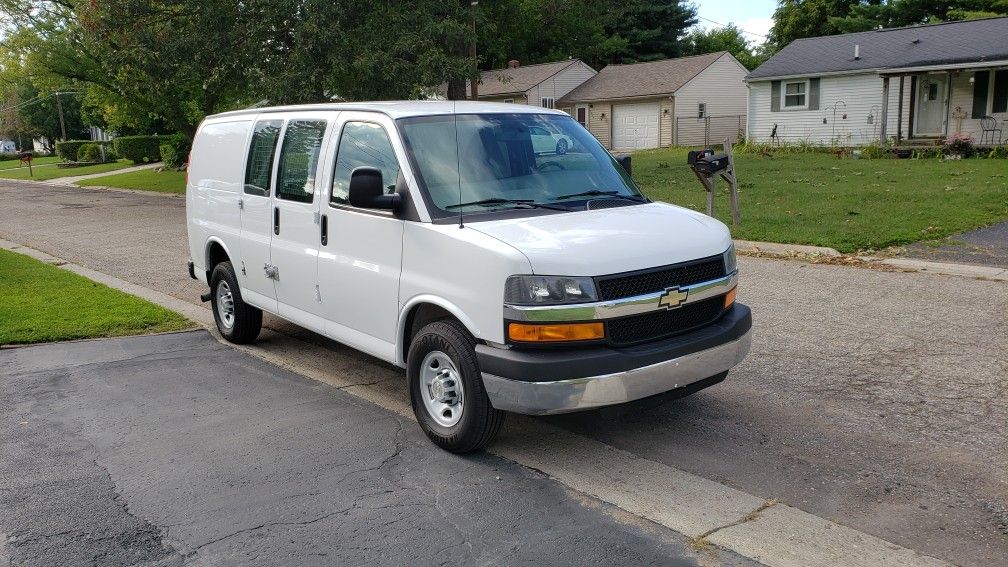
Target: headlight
[
  {"x": 730, "y": 264},
  {"x": 548, "y": 290}
]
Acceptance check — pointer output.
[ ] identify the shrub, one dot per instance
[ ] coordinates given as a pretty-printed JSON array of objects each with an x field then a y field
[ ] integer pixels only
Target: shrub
[
  {"x": 139, "y": 149},
  {"x": 959, "y": 145},
  {"x": 68, "y": 149},
  {"x": 927, "y": 153},
  {"x": 999, "y": 152},
  {"x": 175, "y": 151},
  {"x": 875, "y": 151},
  {"x": 89, "y": 152}
]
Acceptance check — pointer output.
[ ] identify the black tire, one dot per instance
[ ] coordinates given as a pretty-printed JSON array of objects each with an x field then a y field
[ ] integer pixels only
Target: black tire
[
  {"x": 480, "y": 421},
  {"x": 246, "y": 321},
  {"x": 561, "y": 147}
]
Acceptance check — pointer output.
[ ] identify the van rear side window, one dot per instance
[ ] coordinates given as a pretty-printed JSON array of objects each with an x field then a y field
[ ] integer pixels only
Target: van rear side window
[
  {"x": 299, "y": 160},
  {"x": 259, "y": 168}
]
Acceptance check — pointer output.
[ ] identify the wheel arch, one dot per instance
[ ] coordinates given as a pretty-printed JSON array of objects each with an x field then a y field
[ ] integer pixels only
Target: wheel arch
[
  {"x": 424, "y": 309},
  {"x": 215, "y": 252}
]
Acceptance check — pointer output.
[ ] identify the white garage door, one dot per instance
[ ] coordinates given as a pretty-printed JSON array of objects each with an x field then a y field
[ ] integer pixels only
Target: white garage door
[{"x": 635, "y": 126}]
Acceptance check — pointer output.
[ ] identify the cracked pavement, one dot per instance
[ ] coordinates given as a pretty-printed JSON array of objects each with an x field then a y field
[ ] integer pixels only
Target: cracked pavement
[
  {"x": 873, "y": 399},
  {"x": 135, "y": 450}
]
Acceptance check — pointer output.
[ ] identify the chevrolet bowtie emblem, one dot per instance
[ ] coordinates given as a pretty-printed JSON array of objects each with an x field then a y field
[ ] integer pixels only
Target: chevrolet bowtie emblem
[{"x": 672, "y": 298}]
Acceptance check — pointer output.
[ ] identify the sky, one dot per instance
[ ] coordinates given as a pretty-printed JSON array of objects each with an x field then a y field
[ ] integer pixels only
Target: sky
[{"x": 754, "y": 16}]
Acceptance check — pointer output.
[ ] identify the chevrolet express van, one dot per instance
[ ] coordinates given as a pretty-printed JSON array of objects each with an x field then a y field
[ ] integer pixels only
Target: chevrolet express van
[{"x": 497, "y": 252}]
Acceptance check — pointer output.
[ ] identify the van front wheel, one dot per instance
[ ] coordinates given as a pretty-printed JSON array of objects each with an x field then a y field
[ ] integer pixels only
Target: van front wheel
[
  {"x": 237, "y": 321},
  {"x": 446, "y": 389}
]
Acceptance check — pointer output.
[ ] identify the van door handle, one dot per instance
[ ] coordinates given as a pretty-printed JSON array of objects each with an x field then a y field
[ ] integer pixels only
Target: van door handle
[
  {"x": 325, "y": 230},
  {"x": 276, "y": 220}
]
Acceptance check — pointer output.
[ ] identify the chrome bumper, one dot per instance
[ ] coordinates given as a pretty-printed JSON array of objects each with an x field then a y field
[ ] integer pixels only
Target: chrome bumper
[{"x": 562, "y": 396}]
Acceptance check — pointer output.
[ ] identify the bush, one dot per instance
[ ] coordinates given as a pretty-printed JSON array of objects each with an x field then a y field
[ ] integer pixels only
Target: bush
[
  {"x": 959, "y": 145},
  {"x": 68, "y": 149},
  {"x": 89, "y": 152},
  {"x": 175, "y": 151},
  {"x": 1000, "y": 152},
  {"x": 138, "y": 149},
  {"x": 875, "y": 151}
]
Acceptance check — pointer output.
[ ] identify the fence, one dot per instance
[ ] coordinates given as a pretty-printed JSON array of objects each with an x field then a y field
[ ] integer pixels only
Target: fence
[{"x": 695, "y": 131}]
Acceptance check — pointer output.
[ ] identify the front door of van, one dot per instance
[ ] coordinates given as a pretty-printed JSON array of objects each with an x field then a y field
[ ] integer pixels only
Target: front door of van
[
  {"x": 295, "y": 244},
  {"x": 360, "y": 263},
  {"x": 257, "y": 216}
]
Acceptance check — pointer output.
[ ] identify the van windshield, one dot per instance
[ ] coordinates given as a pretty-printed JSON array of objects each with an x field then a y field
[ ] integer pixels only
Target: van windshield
[{"x": 481, "y": 162}]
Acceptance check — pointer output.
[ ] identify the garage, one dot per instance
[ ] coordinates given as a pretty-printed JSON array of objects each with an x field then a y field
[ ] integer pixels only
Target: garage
[{"x": 635, "y": 126}]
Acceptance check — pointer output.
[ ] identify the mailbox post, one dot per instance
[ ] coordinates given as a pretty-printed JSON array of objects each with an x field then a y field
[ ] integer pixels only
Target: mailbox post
[{"x": 708, "y": 166}]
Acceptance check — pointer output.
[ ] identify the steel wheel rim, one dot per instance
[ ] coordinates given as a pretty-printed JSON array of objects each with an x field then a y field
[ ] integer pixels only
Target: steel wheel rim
[
  {"x": 441, "y": 389},
  {"x": 225, "y": 305}
]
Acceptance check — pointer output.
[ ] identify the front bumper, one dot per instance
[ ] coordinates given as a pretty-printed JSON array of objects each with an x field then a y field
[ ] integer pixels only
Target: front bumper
[{"x": 546, "y": 382}]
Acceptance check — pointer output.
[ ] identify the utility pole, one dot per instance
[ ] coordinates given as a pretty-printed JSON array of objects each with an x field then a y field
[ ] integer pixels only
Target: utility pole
[
  {"x": 474, "y": 80},
  {"x": 59, "y": 106}
]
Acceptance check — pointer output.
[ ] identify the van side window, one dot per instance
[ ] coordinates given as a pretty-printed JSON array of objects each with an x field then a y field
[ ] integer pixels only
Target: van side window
[
  {"x": 298, "y": 160},
  {"x": 259, "y": 168},
  {"x": 363, "y": 144}
]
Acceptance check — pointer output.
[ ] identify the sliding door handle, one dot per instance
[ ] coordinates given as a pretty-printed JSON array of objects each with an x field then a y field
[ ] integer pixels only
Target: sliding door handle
[
  {"x": 325, "y": 229},
  {"x": 276, "y": 220}
]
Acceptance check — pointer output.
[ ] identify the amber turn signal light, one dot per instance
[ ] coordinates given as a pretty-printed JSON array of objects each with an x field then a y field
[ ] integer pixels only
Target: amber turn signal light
[
  {"x": 729, "y": 298},
  {"x": 522, "y": 332}
]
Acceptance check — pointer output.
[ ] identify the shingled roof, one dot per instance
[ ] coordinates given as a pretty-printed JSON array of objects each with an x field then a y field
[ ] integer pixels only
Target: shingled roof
[
  {"x": 946, "y": 43},
  {"x": 653, "y": 78},
  {"x": 517, "y": 80}
]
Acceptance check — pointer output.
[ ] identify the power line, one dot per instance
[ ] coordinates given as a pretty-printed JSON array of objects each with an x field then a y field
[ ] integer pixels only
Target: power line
[{"x": 726, "y": 25}]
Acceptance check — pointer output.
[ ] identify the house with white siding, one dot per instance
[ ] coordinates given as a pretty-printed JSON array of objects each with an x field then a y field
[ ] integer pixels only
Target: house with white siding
[
  {"x": 689, "y": 101},
  {"x": 918, "y": 84},
  {"x": 538, "y": 85}
]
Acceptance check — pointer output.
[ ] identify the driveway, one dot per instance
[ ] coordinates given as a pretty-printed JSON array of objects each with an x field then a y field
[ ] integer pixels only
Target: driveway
[
  {"x": 137, "y": 450},
  {"x": 873, "y": 399},
  {"x": 986, "y": 246}
]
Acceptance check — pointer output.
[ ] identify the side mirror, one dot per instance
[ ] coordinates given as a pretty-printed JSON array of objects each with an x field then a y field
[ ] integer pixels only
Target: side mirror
[
  {"x": 624, "y": 162},
  {"x": 368, "y": 192}
]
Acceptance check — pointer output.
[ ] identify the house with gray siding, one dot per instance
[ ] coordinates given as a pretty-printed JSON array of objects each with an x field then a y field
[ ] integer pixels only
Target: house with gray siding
[
  {"x": 538, "y": 85},
  {"x": 689, "y": 101},
  {"x": 916, "y": 84}
]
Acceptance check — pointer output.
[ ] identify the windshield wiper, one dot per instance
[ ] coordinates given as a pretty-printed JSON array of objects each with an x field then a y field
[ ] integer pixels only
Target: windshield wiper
[
  {"x": 518, "y": 203},
  {"x": 598, "y": 193}
]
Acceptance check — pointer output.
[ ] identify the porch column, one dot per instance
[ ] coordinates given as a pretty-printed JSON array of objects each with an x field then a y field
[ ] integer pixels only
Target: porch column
[{"x": 885, "y": 110}]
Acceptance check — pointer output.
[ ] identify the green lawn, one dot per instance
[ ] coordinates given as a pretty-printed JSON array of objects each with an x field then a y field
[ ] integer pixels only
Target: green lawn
[
  {"x": 52, "y": 172},
  {"x": 14, "y": 163},
  {"x": 44, "y": 303},
  {"x": 145, "y": 179},
  {"x": 846, "y": 204}
]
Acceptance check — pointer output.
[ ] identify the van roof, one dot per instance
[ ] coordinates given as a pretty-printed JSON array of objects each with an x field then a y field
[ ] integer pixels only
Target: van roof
[{"x": 403, "y": 108}]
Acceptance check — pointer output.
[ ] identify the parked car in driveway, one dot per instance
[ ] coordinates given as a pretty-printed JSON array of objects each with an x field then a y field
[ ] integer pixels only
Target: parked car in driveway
[
  {"x": 434, "y": 236},
  {"x": 545, "y": 141}
]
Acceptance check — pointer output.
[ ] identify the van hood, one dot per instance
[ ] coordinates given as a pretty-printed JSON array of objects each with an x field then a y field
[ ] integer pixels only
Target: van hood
[{"x": 609, "y": 241}]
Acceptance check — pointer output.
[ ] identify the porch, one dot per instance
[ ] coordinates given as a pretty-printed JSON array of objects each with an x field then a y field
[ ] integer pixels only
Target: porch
[{"x": 936, "y": 102}]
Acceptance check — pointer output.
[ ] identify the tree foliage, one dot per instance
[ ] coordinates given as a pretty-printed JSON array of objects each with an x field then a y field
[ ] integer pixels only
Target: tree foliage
[
  {"x": 795, "y": 19},
  {"x": 729, "y": 38}
]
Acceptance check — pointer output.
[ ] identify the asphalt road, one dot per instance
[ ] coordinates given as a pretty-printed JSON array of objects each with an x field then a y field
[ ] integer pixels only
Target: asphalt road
[
  {"x": 136, "y": 450},
  {"x": 873, "y": 399}
]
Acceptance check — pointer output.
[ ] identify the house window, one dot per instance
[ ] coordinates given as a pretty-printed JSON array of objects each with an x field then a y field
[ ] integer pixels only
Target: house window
[
  {"x": 546, "y": 102},
  {"x": 932, "y": 91},
  {"x": 509, "y": 101},
  {"x": 795, "y": 94},
  {"x": 701, "y": 110}
]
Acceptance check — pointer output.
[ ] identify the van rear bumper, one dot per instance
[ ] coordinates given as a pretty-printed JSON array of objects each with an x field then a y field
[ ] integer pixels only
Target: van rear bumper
[{"x": 546, "y": 381}]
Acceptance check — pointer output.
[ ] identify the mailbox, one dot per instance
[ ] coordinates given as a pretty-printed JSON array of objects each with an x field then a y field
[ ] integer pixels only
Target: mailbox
[{"x": 708, "y": 163}]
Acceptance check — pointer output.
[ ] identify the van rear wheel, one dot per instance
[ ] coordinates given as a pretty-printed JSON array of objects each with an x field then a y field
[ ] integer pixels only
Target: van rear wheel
[
  {"x": 446, "y": 389},
  {"x": 237, "y": 321}
]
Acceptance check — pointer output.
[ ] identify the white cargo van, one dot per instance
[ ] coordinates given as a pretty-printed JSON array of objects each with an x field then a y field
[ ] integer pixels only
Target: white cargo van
[{"x": 504, "y": 273}]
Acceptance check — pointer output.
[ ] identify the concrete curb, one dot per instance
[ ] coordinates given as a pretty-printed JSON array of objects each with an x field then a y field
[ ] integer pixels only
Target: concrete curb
[
  {"x": 942, "y": 268},
  {"x": 776, "y": 248},
  {"x": 764, "y": 530}
]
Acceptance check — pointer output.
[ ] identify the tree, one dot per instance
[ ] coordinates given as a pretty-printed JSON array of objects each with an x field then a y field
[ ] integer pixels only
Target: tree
[
  {"x": 728, "y": 38},
  {"x": 796, "y": 19},
  {"x": 652, "y": 29}
]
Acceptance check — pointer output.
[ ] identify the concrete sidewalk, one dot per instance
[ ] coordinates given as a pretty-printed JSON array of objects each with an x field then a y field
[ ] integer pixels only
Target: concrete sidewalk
[{"x": 74, "y": 179}]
